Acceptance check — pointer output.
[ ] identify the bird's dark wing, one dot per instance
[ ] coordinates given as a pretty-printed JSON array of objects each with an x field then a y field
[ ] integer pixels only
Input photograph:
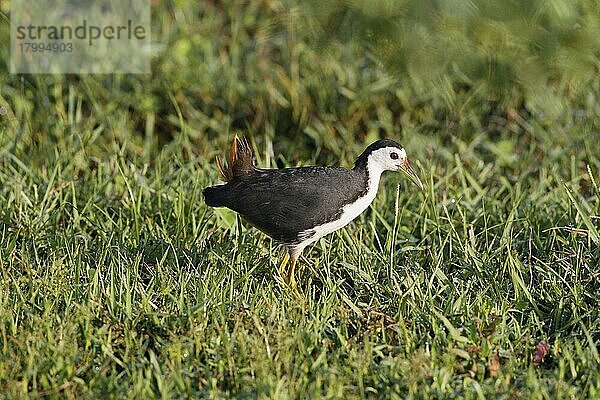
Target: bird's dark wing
[{"x": 282, "y": 203}]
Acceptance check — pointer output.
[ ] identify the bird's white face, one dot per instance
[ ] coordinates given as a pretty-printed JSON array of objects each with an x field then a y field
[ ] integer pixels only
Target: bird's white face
[
  {"x": 392, "y": 159},
  {"x": 387, "y": 158}
]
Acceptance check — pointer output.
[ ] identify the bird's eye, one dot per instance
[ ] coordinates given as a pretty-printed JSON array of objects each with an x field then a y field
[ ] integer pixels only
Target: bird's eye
[{"x": 394, "y": 156}]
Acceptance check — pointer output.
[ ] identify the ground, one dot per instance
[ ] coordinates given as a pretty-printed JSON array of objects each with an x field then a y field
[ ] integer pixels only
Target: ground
[{"x": 118, "y": 281}]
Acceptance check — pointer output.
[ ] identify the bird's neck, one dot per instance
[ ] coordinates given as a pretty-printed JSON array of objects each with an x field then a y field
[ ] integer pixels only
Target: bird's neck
[
  {"x": 374, "y": 175},
  {"x": 372, "y": 172}
]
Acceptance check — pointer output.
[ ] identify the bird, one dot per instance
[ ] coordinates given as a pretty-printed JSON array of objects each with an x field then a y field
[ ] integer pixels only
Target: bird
[{"x": 298, "y": 206}]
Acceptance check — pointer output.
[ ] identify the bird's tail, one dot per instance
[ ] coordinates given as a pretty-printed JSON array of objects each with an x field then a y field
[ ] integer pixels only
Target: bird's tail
[
  {"x": 239, "y": 160},
  {"x": 214, "y": 196}
]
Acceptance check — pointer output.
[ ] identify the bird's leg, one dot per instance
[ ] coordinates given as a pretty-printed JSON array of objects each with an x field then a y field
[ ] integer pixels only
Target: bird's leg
[
  {"x": 284, "y": 263},
  {"x": 292, "y": 277}
]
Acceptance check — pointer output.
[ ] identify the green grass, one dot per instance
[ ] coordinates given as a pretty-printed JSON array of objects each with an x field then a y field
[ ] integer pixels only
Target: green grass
[{"x": 118, "y": 281}]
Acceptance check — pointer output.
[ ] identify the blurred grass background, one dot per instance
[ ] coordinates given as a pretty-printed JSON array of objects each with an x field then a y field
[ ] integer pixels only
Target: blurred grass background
[{"x": 118, "y": 281}]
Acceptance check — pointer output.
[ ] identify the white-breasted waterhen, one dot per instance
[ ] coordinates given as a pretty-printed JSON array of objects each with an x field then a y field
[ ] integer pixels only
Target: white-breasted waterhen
[{"x": 297, "y": 206}]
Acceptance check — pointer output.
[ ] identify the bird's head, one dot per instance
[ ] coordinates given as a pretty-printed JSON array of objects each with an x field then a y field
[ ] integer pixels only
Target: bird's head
[{"x": 387, "y": 155}]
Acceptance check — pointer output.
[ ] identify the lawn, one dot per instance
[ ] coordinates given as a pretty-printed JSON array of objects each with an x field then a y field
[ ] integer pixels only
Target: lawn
[{"x": 117, "y": 280}]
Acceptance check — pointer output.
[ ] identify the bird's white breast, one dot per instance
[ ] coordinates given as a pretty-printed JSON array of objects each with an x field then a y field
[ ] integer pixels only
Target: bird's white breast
[{"x": 349, "y": 211}]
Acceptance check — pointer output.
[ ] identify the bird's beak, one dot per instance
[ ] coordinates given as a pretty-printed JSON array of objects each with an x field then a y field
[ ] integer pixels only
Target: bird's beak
[{"x": 410, "y": 172}]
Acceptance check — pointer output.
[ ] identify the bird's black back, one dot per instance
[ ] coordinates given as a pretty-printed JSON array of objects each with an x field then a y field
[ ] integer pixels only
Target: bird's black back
[{"x": 284, "y": 202}]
